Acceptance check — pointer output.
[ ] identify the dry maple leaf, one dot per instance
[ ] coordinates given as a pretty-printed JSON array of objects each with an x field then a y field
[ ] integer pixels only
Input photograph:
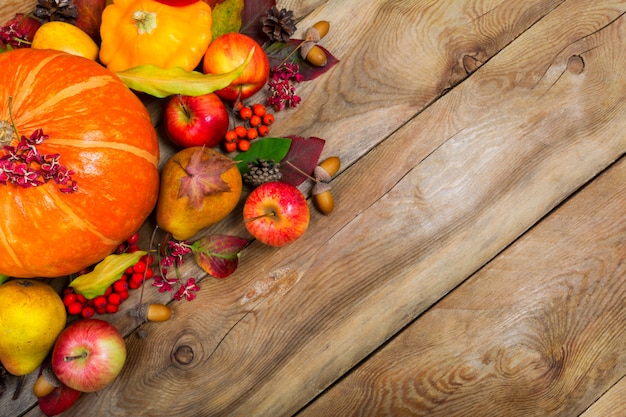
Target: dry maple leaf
[{"x": 203, "y": 177}]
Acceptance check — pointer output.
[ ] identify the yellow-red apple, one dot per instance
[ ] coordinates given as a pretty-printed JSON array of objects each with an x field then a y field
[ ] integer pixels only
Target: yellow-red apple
[
  {"x": 227, "y": 52},
  {"x": 276, "y": 213}
]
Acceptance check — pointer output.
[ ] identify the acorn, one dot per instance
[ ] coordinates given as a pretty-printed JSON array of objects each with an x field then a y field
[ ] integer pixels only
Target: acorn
[
  {"x": 323, "y": 173},
  {"x": 45, "y": 383},
  {"x": 152, "y": 312},
  {"x": 313, "y": 54},
  {"x": 331, "y": 165},
  {"x": 317, "y": 31},
  {"x": 323, "y": 198}
]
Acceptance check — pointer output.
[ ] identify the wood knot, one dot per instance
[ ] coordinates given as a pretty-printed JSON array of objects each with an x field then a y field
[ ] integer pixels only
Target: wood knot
[
  {"x": 471, "y": 63},
  {"x": 183, "y": 355},
  {"x": 576, "y": 64},
  {"x": 188, "y": 350}
]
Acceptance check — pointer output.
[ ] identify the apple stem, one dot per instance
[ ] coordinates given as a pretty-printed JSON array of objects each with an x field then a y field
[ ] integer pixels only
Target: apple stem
[
  {"x": 73, "y": 358},
  {"x": 251, "y": 219},
  {"x": 184, "y": 106},
  {"x": 238, "y": 100},
  {"x": 302, "y": 172}
]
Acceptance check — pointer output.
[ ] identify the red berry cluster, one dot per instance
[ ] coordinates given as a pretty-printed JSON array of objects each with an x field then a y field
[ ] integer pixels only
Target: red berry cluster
[
  {"x": 256, "y": 122},
  {"x": 115, "y": 294}
]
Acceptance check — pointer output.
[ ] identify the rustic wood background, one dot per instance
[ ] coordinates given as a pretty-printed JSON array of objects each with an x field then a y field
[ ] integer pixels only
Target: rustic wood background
[{"x": 475, "y": 262}]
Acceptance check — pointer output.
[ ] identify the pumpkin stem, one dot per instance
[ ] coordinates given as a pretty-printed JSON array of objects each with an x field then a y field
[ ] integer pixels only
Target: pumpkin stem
[
  {"x": 145, "y": 21},
  {"x": 8, "y": 129}
]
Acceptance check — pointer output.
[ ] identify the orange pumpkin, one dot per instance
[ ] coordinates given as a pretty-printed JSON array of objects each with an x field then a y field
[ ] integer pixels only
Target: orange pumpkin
[{"x": 103, "y": 133}]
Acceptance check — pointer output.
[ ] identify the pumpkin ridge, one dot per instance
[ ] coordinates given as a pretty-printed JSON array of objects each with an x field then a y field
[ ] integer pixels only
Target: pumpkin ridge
[
  {"x": 81, "y": 87},
  {"x": 61, "y": 205},
  {"x": 9, "y": 250},
  {"x": 148, "y": 156},
  {"x": 31, "y": 76}
]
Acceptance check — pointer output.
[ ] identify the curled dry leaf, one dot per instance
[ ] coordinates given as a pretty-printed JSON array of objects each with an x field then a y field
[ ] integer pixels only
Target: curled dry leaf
[{"x": 218, "y": 255}]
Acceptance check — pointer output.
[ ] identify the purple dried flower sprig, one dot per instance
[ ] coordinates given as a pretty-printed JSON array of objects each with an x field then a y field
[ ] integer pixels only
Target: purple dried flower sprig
[
  {"x": 25, "y": 166},
  {"x": 282, "y": 91},
  {"x": 13, "y": 36},
  {"x": 174, "y": 257}
]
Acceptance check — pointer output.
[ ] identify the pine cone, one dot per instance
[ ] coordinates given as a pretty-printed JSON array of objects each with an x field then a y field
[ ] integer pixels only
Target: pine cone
[
  {"x": 278, "y": 25},
  {"x": 56, "y": 10},
  {"x": 262, "y": 171}
]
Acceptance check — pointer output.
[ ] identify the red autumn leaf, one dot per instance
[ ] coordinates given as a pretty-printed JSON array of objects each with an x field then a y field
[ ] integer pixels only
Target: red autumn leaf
[
  {"x": 278, "y": 51},
  {"x": 253, "y": 11},
  {"x": 203, "y": 177},
  {"x": 304, "y": 154},
  {"x": 218, "y": 255}
]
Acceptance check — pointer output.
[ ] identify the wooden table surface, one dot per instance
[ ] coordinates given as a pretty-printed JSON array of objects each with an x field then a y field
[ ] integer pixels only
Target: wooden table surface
[{"x": 475, "y": 263}]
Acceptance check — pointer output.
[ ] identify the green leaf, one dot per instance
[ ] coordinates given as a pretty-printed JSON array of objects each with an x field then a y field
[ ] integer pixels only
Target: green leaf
[
  {"x": 105, "y": 273},
  {"x": 273, "y": 149},
  {"x": 226, "y": 17},
  {"x": 160, "y": 82},
  {"x": 3, "y": 278}
]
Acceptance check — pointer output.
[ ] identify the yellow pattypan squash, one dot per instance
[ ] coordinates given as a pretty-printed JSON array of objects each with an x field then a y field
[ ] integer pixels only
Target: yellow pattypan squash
[{"x": 140, "y": 32}]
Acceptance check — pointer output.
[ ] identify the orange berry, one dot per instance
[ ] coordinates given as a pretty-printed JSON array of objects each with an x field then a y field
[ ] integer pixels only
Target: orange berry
[
  {"x": 252, "y": 133},
  {"x": 245, "y": 113},
  {"x": 263, "y": 130},
  {"x": 230, "y": 146},
  {"x": 268, "y": 119},
  {"x": 243, "y": 145},
  {"x": 231, "y": 136},
  {"x": 255, "y": 121},
  {"x": 258, "y": 109},
  {"x": 241, "y": 131},
  {"x": 238, "y": 105}
]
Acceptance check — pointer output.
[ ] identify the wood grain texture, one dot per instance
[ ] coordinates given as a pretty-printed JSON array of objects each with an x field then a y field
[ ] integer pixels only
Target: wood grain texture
[
  {"x": 612, "y": 404},
  {"x": 460, "y": 124},
  {"x": 538, "y": 331}
]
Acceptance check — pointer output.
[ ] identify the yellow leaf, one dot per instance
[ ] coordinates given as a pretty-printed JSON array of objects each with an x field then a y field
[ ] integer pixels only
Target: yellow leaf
[
  {"x": 160, "y": 82},
  {"x": 105, "y": 273}
]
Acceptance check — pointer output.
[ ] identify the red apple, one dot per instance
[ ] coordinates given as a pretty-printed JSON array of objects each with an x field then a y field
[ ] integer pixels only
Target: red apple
[
  {"x": 195, "y": 121},
  {"x": 88, "y": 355},
  {"x": 227, "y": 52},
  {"x": 276, "y": 213},
  {"x": 59, "y": 400}
]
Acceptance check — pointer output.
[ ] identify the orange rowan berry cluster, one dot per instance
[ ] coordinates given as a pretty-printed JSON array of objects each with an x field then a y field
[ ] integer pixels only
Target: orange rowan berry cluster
[{"x": 256, "y": 123}]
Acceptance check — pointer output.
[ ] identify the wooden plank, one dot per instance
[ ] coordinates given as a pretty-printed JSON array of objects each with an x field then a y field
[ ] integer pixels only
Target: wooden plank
[
  {"x": 9, "y": 8},
  {"x": 415, "y": 217},
  {"x": 612, "y": 404},
  {"x": 356, "y": 106},
  {"x": 538, "y": 331}
]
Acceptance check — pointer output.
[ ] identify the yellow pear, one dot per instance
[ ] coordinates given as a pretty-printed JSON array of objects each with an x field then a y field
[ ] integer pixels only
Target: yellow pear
[
  {"x": 32, "y": 315},
  {"x": 66, "y": 37},
  {"x": 199, "y": 187}
]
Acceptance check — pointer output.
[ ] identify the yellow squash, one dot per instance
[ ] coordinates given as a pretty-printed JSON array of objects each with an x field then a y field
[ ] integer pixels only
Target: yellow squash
[{"x": 141, "y": 32}]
